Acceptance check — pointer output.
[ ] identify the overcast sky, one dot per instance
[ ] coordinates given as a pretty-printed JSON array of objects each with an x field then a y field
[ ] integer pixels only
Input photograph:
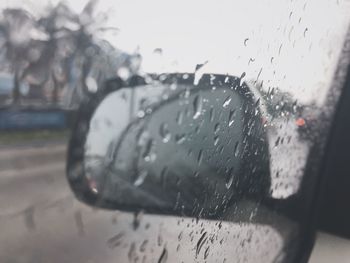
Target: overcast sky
[{"x": 288, "y": 44}]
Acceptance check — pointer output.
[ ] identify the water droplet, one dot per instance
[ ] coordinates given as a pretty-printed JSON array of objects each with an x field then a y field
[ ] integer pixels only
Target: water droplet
[
  {"x": 229, "y": 178},
  {"x": 143, "y": 245},
  {"x": 241, "y": 78},
  {"x": 200, "y": 157},
  {"x": 180, "y": 138},
  {"x": 149, "y": 154},
  {"x": 251, "y": 60},
  {"x": 179, "y": 237},
  {"x": 197, "y": 129},
  {"x": 199, "y": 73},
  {"x": 279, "y": 49},
  {"x": 137, "y": 219},
  {"x": 206, "y": 253},
  {"x": 211, "y": 114},
  {"x": 196, "y": 174},
  {"x": 227, "y": 101},
  {"x": 185, "y": 76},
  {"x": 201, "y": 242},
  {"x": 187, "y": 93},
  {"x": 158, "y": 51},
  {"x": 79, "y": 222},
  {"x": 231, "y": 117},
  {"x": 179, "y": 117},
  {"x": 164, "y": 256},
  {"x": 216, "y": 128},
  {"x": 116, "y": 240},
  {"x": 277, "y": 141},
  {"x": 178, "y": 197},
  {"x": 132, "y": 254},
  {"x": 140, "y": 178},
  {"x": 197, "y": 106},
  {"x": 305, "y": 31},
  {"x": 236, "y": 149},
  {"x": 257, "y": 102},
  {"x": 290, "y": 14},
  {"x": 246, "y": 42},
  {"x": 140, "y": 114},
  {"x": 160, "y": 238},
  {"x": 216, "y": 140},
  {"x": 164, "y": 132},
  {"x": 212, "y": 78}
]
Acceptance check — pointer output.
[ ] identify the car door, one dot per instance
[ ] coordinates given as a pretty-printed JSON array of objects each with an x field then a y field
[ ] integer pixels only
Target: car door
[{"x": 167, "y": 131}]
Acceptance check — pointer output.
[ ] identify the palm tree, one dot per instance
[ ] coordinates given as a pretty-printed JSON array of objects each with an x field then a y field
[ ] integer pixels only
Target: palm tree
[
  {"x": 20, "y": 39},
  {"x": 61, "y": 48},
  {"x": 71, "y": 50}
]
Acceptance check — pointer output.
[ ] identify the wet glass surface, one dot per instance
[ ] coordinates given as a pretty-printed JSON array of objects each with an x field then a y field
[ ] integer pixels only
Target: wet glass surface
[{"x": 204, "y": 166}]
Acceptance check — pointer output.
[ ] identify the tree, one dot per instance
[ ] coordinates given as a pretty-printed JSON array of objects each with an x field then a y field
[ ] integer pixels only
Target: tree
[
  {"x": 61, "y": 48},
  {"x": 21, "y": 43},
  {"x": 71, "y": 51}
]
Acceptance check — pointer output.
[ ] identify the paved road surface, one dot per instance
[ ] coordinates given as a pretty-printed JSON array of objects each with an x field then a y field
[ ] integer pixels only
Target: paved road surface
[{"x": 41, "y": 222}]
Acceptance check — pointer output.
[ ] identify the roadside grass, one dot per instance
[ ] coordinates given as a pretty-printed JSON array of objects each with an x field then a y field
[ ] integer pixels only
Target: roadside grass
[{"x": 32, "y": 136}]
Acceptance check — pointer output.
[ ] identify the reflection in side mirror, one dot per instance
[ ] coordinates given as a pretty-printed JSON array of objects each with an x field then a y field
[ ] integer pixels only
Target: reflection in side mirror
[{"x": 171, "y": 147}]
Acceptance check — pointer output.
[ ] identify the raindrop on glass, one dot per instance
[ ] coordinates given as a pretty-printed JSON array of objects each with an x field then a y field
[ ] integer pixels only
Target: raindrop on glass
[
  {"x": 241, "y": 78},
  {"x": 246, "y": 42},
  {"x": 143, "y": 245},
  {"x": 197, "y": 106},
  {"x": 201, "y": 242},
  {"x": 164, "y": 132},
  {"x": 180, "y": 138},
  {"x": 163, "y": 256},
  {"x": 231, "y": 117},
  {"x": 216, "y": 140},
  {"x": 216, "y": 128},
  {"x": 141, "y": 178},
  {"x": 236, "y": 149},
  {"x": 227, "y": 101},
  {"x": 229, "y": 178},
  {"x": 211, "y": 114},
  {"x": 115, "y": 240},
  {"x": 149, "y": 154},
  {"x": 137, "y": 219},
  {"x": 200, "y": 157},
  {"x": 179, "y": 117}
]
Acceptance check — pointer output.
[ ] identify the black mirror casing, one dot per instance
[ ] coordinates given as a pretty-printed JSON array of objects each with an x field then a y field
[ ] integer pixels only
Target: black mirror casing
[{"x": 216, "y": 155}]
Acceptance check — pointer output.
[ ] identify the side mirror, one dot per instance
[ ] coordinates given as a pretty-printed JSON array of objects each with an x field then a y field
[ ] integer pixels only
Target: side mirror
[{"x": 170, "y": 147}]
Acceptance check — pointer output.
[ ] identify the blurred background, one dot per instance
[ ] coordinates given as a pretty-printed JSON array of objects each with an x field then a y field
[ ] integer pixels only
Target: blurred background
[{"x": 55, "y": 54}]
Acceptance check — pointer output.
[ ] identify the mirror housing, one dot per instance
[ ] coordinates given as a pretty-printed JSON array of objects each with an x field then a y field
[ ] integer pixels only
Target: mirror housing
[{"x": 170, "y": 147}]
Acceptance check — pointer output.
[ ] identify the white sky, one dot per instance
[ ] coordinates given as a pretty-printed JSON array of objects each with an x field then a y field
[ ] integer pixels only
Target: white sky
[{"x": 192, "y": 32}]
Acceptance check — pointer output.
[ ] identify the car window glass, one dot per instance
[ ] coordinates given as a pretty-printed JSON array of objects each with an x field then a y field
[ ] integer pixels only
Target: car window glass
[{"x": 205, "y": 67}]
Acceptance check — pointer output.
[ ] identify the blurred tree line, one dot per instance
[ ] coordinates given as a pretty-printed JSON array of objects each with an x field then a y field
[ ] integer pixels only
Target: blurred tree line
[{"x": 60, "y": 54}]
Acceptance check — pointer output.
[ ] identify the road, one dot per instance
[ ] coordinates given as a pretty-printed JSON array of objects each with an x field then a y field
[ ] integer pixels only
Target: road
[{"x": 41, "y": 222}]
